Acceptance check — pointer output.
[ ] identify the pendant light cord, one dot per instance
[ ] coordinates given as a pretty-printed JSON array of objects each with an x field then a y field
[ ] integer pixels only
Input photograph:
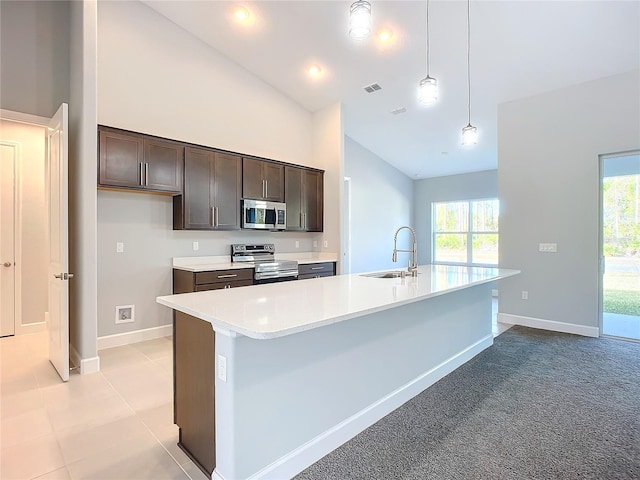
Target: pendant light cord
[
  {"x": 469, "y": 55},
  {"x": 427, "y": 38}
]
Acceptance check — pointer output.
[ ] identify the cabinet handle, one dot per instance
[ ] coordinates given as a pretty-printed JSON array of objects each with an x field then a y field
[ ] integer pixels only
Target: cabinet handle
[
  {"x": 266, "y": 189},
  {"x": 217, "y": 216},
  {"x": 304, "y": 215},
  {"x": 214, "y": 216},
  {"x": 227, "y": 276},
  {"x": 301, "y": 221},
  {"x": 141, "y": 175},
  {"x": 146, "y": 174},
  {"x": 317, "y": 268}
]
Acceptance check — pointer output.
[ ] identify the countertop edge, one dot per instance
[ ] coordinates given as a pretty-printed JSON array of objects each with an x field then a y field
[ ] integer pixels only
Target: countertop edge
[{"x": 225, "y": 328}]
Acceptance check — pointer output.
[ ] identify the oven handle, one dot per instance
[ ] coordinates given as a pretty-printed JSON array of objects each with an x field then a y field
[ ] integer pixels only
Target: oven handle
[{"x": 265, "y": 275}]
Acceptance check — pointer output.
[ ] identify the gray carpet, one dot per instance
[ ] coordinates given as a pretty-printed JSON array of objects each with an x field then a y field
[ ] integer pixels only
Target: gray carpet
[{"x": 536, "y": 405}]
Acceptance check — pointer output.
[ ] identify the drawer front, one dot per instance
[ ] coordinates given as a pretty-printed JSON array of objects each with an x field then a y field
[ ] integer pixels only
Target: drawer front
[
  {"x": 224, "y": 276},
  {"x": 221, "y": 285},
  {"x": 327, "y": 268}
]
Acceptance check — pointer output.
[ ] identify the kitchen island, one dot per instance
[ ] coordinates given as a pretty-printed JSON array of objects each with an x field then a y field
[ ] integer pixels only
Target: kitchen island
[{"x": 270, "y": 378}]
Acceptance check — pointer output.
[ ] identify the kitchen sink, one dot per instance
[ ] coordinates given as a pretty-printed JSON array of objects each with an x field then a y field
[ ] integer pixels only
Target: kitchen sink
[{"x": 394, "y": 274}]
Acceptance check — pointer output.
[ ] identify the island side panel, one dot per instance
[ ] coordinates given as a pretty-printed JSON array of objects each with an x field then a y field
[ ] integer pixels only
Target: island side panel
[
  {"x": 194, "y": 391},
  {"x": 297, "y": 397}
]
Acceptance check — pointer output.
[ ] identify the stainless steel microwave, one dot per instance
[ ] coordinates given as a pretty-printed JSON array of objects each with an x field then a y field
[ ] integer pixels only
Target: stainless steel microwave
[{"x": 262, "y": 215}]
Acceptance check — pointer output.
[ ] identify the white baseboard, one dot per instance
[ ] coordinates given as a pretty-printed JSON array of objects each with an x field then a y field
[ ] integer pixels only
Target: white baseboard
[
  {"x": 548, "y": 325},
  {"x": 135, "y": 336},
  {"x": 300, "y": 458},
  {"x": 87, "y": 365}
]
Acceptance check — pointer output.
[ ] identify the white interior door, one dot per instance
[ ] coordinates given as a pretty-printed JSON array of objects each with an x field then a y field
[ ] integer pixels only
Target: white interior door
[
  {"x": 57, "y": 194},
  {"x": 8, "y": 154}
]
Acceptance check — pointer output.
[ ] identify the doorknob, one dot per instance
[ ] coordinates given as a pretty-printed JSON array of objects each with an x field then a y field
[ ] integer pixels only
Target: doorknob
[
  {"x": 7, "y": 264},
  {"x": 63, "y": 276}
]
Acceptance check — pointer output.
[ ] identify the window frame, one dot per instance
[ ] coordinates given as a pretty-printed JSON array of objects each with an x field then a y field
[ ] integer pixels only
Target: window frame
[{"x": 469, "y": 232}]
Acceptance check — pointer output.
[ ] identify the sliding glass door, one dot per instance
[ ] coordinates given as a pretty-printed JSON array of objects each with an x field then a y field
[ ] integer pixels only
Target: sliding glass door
[{"x": 620, "y": 194}]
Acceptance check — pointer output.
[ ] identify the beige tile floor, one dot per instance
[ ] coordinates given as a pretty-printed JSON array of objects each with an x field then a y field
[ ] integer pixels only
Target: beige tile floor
[{"x": 113, "y": 425}]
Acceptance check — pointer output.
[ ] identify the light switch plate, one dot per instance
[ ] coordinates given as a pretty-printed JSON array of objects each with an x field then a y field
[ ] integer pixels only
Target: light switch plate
[
  {"x": 119, "y": 247},
  {"x": 196, "y": 246},
  {"x": 222, "y": 368},
  {"x": 548, "y": 247}
]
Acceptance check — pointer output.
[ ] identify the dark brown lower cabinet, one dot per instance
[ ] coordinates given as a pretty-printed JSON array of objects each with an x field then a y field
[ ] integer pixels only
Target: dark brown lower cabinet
[
  {"x": 194, "y": 389},
  {"x": 186, "y": 282}
]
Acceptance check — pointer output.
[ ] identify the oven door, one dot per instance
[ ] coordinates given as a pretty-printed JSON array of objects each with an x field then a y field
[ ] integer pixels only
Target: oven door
[{"x": 273, "y": 279}]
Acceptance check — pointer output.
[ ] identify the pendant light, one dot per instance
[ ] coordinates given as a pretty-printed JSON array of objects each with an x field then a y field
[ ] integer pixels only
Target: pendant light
[
  {"x": 428, "y": 89},
  {"x": 360, "y": 20},
  {"x": 469, "y": 133}
]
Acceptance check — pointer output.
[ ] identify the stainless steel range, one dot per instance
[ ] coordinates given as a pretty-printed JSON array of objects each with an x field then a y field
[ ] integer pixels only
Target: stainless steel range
[{"x": 267, "y": 269}]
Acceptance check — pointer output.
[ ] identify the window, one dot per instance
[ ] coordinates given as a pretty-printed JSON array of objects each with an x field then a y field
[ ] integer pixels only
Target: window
[{"x": 465, "y": 232}]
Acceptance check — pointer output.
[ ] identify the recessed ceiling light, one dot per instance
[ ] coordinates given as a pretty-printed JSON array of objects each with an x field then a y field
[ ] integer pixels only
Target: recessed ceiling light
[
  {"x": 241, "y": 15},
  {"x": 385, "y": 35},
  {"x": 314, "y": 71}
]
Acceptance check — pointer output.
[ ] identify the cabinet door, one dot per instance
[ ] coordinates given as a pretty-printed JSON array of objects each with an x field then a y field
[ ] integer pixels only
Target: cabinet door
[
  {"x": 163, "y": 165},
  {"x": 313, "y": 200},
  {"x": 121, "y": 160},
  {"x": 227, "y": 173},
  {"x": 273, "y": 175},
  {"x": 198, "y": 182},
  {"x": 293, "y": 197},
  {"x": 252, "y": 181}
]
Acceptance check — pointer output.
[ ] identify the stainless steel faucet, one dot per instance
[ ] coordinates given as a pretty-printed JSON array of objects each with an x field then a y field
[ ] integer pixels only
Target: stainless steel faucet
[{"x": 413, "y": 267}]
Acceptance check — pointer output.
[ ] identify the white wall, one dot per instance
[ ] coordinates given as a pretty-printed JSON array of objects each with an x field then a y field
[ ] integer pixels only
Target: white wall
[
  {"x": 175, "y": 86},
  {"x": 381, "y": 201},
  {"x": 34, "y": 56},
  {"x": 466, "y": 186},
  {"x": 548, "y": 180},
  {"x": 82, "y": 185}
]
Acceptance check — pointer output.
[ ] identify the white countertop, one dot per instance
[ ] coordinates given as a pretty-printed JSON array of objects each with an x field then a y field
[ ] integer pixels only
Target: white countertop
[
  {"x": 279, "y": 309},
  {"x": 223, "y": 262}
]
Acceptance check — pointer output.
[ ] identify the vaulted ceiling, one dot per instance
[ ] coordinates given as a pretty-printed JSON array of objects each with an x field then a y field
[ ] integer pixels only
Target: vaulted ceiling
[{"x": 517, "y": 49}]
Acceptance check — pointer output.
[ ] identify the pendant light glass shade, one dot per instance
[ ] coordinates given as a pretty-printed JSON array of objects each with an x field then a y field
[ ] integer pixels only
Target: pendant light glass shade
[
  {"x": 469, "y": 135},
  {"x": 360, "y": 20},
  {"x": 428, "y": 90}
]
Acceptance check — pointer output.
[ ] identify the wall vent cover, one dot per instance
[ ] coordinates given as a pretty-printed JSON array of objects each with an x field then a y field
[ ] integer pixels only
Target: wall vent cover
[
  {"x": 398, "y": 111},
  {"x": 374, "y": 87}
]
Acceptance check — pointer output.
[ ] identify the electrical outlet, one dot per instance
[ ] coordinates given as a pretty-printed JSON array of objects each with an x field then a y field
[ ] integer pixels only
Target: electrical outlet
[
  {"x": 222, "y": 368},
  {"x": 125, "y": 313},
  {"x": 548, "y": 247},
  {"x": 315, "y": 244},
  {"x": 525, "y": 295},
  {"x": 297, "y": 244},
  {"x": 196, "y": 246},
  {"x": 326, "y": 243},
  {"x": 119, "y": 247}
]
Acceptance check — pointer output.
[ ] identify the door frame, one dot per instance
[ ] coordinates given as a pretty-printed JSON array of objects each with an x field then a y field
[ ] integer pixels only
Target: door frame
[
  {"x": 19, "y": 329},
  {"x": 601, "y": 158}
]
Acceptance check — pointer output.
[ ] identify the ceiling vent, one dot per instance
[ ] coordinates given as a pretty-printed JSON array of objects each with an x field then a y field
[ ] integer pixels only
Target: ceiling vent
[
  {"x": 374, "y": 87},
  {"x": 398, "y": 111}
]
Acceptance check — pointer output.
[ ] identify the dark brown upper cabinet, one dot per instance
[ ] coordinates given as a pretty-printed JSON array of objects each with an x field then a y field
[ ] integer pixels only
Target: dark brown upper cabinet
[
  {"x": 138, "y": 162},
  {"x": 262, "y": 180},
  {"x": 211, "y": 198},
  {"x": 304, "y": 199}
]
